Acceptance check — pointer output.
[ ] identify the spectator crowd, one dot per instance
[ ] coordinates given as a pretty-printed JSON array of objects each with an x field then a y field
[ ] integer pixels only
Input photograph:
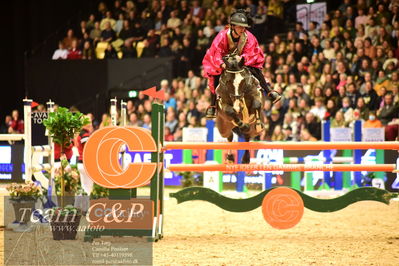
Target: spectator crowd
[{"x": 343, "y": 69}]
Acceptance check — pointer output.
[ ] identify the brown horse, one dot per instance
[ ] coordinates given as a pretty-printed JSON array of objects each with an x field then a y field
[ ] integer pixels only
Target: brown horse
[{"x": 240, "y": 101}]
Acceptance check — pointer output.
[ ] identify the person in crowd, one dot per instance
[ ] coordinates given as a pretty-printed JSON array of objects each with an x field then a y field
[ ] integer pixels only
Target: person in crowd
[
  {"x": 372, "y": 121},
  {"x": 74, "y": 52},
  {"x": 128, "y": 51},
  {"x": 88, "y": 51},
  {"x": 6, "y": 124},
  {"x": 235, "y": 38},
  {"x": 305, "y": 135},
  {"x": 147, "y": 121},
  {"x": 68, "y": 39},
  {"x": 347, "y": 109},
  {"x": 134, "y": 120},
  {"x": 126, "y": 32},
  {"x": 110, "y": 52},
  {"x": 90, "y": 23},
  {"x": 16, "y": 125},
  {"x": 108, "y": 34},
  {"x": 149, "y": 49},
  {"x": 361, "y": 109},
  {"x": 389, "y": 111},
  {"x": 313, "y": 125},
  {"x": 107, "y": 20},
  {"x": 105, "y": 121},
  {"x": 80, "y": 142},
  {"x": 95, "y": 33},
  {"x": 278, "y": 134},
  {"x": 61, "y": 52},
  {"x": 319, "y": 109},
  {"x": 171, "y": 121},
  {"x": 119, "y": 24},
  {"x": 273, "y": 120}
]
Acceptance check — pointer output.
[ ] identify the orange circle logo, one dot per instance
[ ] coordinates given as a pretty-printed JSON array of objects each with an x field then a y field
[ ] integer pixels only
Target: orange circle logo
[
  {"x": 101, "y": 157},
  {"x": 282, "y": 208}
]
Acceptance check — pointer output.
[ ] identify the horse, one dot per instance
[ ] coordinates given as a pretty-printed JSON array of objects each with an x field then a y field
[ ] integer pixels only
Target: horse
[{"x": 239, "y": 104}]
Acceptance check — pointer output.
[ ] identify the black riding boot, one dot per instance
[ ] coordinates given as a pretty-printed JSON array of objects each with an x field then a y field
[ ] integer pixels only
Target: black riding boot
[
  {"x": 267, "y": 91},
  {"x": 211, "y": 111}
]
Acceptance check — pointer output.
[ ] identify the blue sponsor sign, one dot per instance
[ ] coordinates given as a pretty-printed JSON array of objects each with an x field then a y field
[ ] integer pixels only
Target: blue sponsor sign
[{"x": 170, "y": 157}]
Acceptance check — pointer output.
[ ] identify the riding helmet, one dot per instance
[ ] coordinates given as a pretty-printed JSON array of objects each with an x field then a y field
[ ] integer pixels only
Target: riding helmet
[{"x": 239, "y": 19}]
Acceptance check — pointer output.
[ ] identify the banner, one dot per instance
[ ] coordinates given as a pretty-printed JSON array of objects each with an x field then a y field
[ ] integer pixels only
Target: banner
[
  {"x": 306, "y": 13},
  {"x": 341, "y": 134},
  {"x": 39, "y": 136},
  {"x": 373, "y": 134},
  {"x": 196, "y": 134}
]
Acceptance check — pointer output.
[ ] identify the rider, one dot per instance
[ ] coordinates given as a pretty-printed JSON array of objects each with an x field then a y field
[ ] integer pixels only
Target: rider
[{"x": 235, "y": 38}]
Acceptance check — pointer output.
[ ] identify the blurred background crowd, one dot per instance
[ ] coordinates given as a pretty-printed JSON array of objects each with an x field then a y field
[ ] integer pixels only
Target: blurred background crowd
[{"x": 343, "y": 69}]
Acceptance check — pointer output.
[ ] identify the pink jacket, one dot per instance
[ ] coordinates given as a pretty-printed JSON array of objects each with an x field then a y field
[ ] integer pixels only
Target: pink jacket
[{"x": 248, "y": 47}]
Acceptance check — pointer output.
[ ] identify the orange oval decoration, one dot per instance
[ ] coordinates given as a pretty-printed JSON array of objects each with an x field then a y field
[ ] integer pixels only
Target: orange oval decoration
[
  {"x": 282, "y": 208},
  {"x": 101, "y": 157}
]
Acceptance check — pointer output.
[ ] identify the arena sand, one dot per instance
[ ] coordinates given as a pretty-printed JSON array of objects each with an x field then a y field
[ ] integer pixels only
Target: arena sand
[{"x": 200, "y": 233}]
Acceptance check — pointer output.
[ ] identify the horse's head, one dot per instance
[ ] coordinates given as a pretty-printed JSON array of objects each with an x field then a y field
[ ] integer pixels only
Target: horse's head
[
  {"x": 235, "y": 79},
  {"x": 233, "y": 62}
]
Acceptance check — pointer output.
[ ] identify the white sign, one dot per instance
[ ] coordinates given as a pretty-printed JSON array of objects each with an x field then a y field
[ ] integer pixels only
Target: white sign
[
  {"x": 306, "y": 13},
  {"x": 5, "y": 154},
  {"x": 373, "y": 134},
  {"x": 218, "y": 138},
  {"x": 341, "y": 134},
  {"x": 196, "y": 134},
  {"x": 211, "y": 178}
]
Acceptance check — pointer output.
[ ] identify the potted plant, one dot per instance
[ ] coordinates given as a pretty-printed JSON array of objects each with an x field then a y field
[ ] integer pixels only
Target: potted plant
[
  {"x": 62, "y": 126},
  {"x": 23, "y": 198},
  {"x": 71, "y": 178},
  {"x": 99, "y": 192},
  {"x": 65, "y": 222},
  {"x": 187, "y": 179}
]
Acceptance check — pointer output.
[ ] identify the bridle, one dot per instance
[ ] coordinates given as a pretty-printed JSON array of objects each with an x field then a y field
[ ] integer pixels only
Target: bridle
[{"x": 234, "y": 72}]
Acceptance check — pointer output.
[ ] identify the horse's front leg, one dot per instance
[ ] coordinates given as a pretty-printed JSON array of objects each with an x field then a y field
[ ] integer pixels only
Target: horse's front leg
[
  {"x": 230, "y": 155},
  {"x": 246, "y": 158},
  {"x": 229, "y": 110}
]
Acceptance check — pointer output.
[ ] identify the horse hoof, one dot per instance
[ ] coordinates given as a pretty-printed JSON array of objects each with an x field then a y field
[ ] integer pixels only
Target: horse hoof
[
  {"x": 230, "y": 158},
  {"x": 245, "y": 159},
  {"x": 245, "y": 128},
  {"x": 259, "y": 127},
  {"x": 237, "y": 131}
]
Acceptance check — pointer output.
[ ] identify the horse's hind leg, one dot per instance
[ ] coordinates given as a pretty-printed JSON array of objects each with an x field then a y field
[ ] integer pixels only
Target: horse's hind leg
[
  {"x": 246, "y": 157},
  {"x": 259, "y": 126},
  {"x": 230, "y": 156}
]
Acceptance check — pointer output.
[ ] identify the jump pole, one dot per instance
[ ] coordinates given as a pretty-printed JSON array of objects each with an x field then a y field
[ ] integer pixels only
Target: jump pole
[
  {"x": 284, "y": 167},
  {"x": 320, "y": 145}
]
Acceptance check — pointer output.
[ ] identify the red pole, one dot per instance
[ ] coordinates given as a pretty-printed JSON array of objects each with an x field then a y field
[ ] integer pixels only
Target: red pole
[
  {"x": 319, "y": 145},
  {"x": 284, "y": 167}
]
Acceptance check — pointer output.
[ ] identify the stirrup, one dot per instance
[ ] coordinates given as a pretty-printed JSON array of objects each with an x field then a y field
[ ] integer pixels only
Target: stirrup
[
  {"x": 209, "y": 115},
  {"x": 278, "y": 98}
]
